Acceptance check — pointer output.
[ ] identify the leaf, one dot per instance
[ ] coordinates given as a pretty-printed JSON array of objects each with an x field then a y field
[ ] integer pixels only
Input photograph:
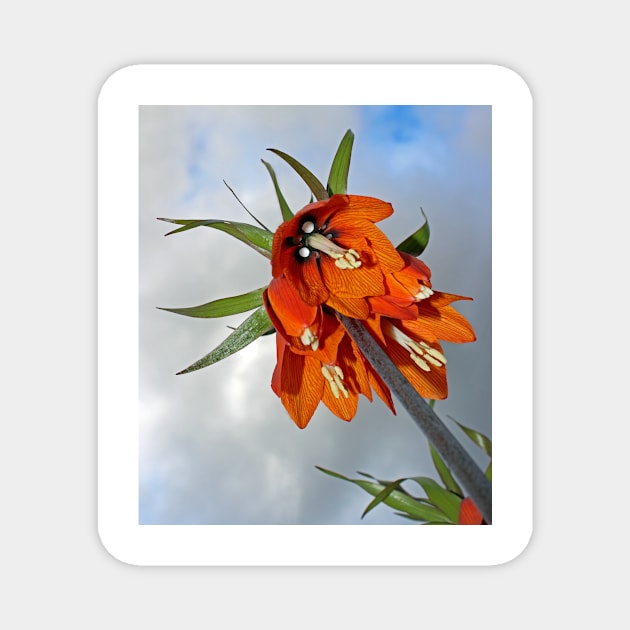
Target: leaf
[
  {"x": 338, "y": 177},
  {"x": 443, "y": 499},
  {"x": 489, "y": 472},
  {"x": 284, "y": 206},
  {"x": 317, "y": 188},
  {"x": 262, "y": 225},
  {"x": 445, "y": 474},
  {"x": 396, "y": 499},
  {"x": 417, "y": 242},
  {"x": 382, "y": 495},
  {"x": 257, "y": 324},
  {"x": 478, "y": 438},
  {"x": 222, "y": 307},
  {"x": 255, "y": 237}
]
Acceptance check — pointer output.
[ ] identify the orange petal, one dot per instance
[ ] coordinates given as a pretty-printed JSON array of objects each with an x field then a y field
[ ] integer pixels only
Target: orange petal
[
  {"x": 444, "y": 323},
  {"x": 305, "y": 278},
  {"x": 468, "y": 513},
  {"x": 357, "y": 308},
  {"x": 385, "y": 305},
  {"x": 287, "y": 306},
  {"x": 370, "y": 208},
  {"x": 351, "y": 283},
  {"x": 302, "y": 386}
]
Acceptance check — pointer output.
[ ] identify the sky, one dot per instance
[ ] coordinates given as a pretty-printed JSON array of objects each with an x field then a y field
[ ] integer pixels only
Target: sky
[{"x": 216, "y": 445}]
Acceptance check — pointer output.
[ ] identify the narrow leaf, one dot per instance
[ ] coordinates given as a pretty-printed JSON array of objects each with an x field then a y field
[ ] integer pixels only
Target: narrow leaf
[
  {"x": 445, "y": 474},
  {"x": 444, "y": 500},
  {"x": 262, "y": 225},
  {"x": 478, "y": 438},
  {"x": 284, "y": 206},
  {"x": 257, "y": 324},
  {"x": 317, "y": 188},
  {"x": 417, "y": 242},
  {"x": 489, "y": 471},
  {"x": 396, "y": 499},
  {"x": 338, "y": 177},
  {"x": 255, "y": 237},
  {"x": 382, "y": 495},
  {"x": 222, "y": 307}
]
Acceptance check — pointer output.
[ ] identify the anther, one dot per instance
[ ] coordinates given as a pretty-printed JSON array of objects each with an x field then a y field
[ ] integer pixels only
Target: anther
[
  {"x": 308, "y": 338},
  {"x": 334, "y": 376},
  {"x": 424, "y": 293},
  {"x": 308, "y": 227}
]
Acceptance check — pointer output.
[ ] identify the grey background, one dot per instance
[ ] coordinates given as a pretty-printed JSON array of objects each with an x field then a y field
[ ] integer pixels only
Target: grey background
[{"x": 54, "y": 567}]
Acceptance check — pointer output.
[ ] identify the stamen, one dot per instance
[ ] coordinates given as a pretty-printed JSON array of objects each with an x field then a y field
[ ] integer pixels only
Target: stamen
[
  {"x": 344, "y": 258},
  {"x": 421, "y": 353},
  {"x": 308, "y": 338},
  {"x": 334, "y": 375},
  {"x": 305, "y": 252},
  {"x": 424, "y": 293}
]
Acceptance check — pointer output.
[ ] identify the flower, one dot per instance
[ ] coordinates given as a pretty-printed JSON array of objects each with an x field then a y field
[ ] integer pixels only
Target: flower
[
  {"x": 331, "y": 252},
  {"x": 330, "y": 258},
  {"x": 469, "y": 514},
  {"x": 335, "y": 375}
]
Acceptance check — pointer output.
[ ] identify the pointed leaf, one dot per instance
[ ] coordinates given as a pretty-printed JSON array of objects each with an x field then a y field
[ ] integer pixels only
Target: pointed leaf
[
  {"x": 417, "y": 242},
  {"x": 257, "y": 324},
  {"x": 317, "y": 188},
  {"x": 478, "y": 438},
  {"x": 382, "y": 495},
  {"x": 222, "y": 307},
  {"x": 338, "y": 177},
  {"x": 284, "y": 206},
  {"x": 396, "y": 499},
  {"x": 489, "y": 471},
  {"x": 445, "y": 474},
  {"x": 444, "y": 500},
  {"x": 255, "y": 237}
]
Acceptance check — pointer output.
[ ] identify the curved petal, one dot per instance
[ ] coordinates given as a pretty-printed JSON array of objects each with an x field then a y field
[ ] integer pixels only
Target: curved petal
[
  {"x": 352, "y": 283},
  {"x": 302, "y": 385},
  {"x": 294, "y": 314}
]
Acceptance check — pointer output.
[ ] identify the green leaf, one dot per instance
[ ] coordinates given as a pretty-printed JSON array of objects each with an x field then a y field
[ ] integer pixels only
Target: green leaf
[
  {"x": 338, "y": 177},
  {"x": 284, "y": 206},
  {"x": 417, "y": 242},
  {"x": 257, "y": 324},
  {"x": 478, "y": 438},
  {"x": 489, "y": 472},
  {"x": 317, "y": 188},
  {"x": 222, "y": 307},
  {"x": 255, "y": 237},
  {"x": 396, "y": 499},
  {"x": 443, "y": 499},
  {"x": 445, "y": 474}
]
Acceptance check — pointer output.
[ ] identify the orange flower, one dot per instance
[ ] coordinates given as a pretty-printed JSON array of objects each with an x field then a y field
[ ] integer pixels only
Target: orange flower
[
  {"x": 469, "y": 514},
  {"x": 331, "y": 252},
  {"x": 304, "y": 377},
  {"x": 412, "y": 344}
]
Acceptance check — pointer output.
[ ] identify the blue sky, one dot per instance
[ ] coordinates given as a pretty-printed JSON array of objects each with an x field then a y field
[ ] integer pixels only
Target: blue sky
[{"x": 216, "y": 446}]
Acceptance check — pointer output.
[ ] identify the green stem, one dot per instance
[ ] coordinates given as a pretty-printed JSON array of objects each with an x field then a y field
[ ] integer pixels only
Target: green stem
[{"x": 460, "y": 463}]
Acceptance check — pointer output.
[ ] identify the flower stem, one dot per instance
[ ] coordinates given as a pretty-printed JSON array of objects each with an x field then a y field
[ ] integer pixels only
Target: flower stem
[{"x": 460, "y": 463}]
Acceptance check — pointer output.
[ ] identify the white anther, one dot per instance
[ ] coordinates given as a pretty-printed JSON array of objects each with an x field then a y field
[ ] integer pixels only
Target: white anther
[
  {"x": 308, "y": 227},
  {"x": 308, "y": 338},
  {"x": 424, "y": 293},
  {"x": 419, "y": 352},
  {"x": 348, "y": 260},
  {"x": 305, "y": 252},
  {"x": 334, "y": 376}
]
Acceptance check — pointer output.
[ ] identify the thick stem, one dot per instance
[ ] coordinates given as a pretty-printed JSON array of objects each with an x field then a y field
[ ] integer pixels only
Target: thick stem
[{"x": 460, "y": 463}]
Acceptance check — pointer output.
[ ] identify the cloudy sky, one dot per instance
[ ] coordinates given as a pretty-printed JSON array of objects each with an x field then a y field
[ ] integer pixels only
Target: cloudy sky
[{"x": 216, "y": 445}]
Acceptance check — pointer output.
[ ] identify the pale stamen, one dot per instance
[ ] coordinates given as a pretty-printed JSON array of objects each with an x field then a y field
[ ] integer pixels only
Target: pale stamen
[
  {"x": 334, "y": 375},
  {"x": 421, "y": 353},
  {"x": 344, "y": 258},
  {"x": 424, "y": 293},
  {"x": 308, "y": 338}
]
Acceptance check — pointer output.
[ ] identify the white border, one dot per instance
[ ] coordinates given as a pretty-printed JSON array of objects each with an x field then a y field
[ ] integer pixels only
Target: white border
[{"x": 286, "y": 545}]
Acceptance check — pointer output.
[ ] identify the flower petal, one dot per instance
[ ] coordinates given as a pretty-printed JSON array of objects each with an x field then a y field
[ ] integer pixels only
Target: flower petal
[
  {"x": 284, "y": 304},
  {"x": 468, "y": 513},
  {"x": 302, "y": 386}
]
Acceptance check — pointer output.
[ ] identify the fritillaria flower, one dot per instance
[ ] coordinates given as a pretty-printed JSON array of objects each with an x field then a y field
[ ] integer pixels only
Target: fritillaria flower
[{"x": 331, "y": 252}]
